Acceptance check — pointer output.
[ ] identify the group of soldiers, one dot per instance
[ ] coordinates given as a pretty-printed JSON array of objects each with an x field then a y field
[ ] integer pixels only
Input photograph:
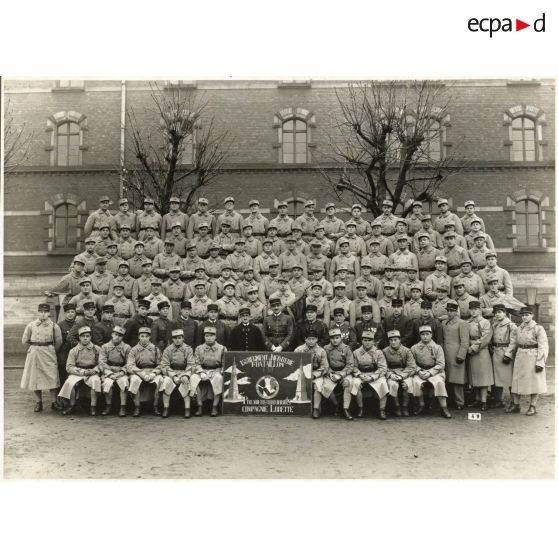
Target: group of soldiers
[{"x": 401, "y": 309}]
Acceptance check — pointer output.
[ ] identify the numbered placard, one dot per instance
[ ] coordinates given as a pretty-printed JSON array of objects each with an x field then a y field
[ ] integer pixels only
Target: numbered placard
[{"x": 474, "y": 416}]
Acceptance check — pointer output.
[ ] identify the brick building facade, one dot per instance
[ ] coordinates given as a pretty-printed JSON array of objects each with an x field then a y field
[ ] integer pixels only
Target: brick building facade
[{"x": 485, "y": 118}]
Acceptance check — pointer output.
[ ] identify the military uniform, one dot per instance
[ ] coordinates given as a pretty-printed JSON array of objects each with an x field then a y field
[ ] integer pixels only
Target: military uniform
[
  {"x": 246, "y": 338},
  {"x": 153, "y": 246},
  {"x": 463, "y": 303},
  {"x": 213, "y": 266},
  {"x": 350, "y": 261},
  {"x": 288, "y": 259},
  {"x": 228, "y": 310},
  {"x": 202, "y": 244},
  {"x": 143, "y": 287},
  {"x": 170, "y": 219},
  {"x": 378, "y": 263},
  {"x": 504, "y": 343},
  {"x": 355, "y": 310},
  {"x": 126, "y": 281},
  {"x": 304, "y": 326},
  {"x": 429, "y": 356},
  {"x": 307, "y": 224},
  {"x": 357, "y": 246},
  {"x": 436, "y": 241},
  {"x": 234, "y": 218},
  {"x": 370, "y": 369},
  {"x": 333, "y": 227},
  {"x": 320, "y": 261},
  {"x": 125, "y": 218},
  {"x": 196, "y": 219},
  {"x": 96, "y": 220},
  {"x": 387, "y": 222},
  {"x": 426, "y": 259},
  {"x": 136, "y": 265},
  {"x": 112, "y": 366},
  {"x": 123, "y": 309},
  {"x": 177, "y": 363},
  {"x": 132, "y": 327},
  {"x": 189, "y": 265},
  {"x": 82, "y": 358},
  {"x": 472, "y": 282},
  {"x": 439, "y": 308},
  {"x": 479, "y": 363},
  {"x": 433, "y": 282},
  {"x": 504, "y": 279},
  {"x": 454, "y": 257},
  {"x": 261, "y": 265},
  {"x": 466, "y": 222},
  {"x": 283, "y": 224},
  {"x": 199, "y": 307},
  {"x": 113, "y": 263},
  {"x": 222, "y": 332},
  {"x": 208, "y": 371},
  {"x": 65, "y": 326},
  {"x": 153, "y": 304},
  {"x": 101, "y": 332},
  {"x": 239, "y": 262},
  {"x": 401, "y": 260},
  {"x": 385, "y": 245},
  {"x": 406, "y": 286},
  {"x": 278, "y": 330},
  {"x": 163, "y": 262},
  {"x": 81, "y": 298},
  {"x": 148, "y": 219},
  {"x": 180, "y": 243},
  {"x": 100, "y": 284},
  {"x": 442, "y": 220},
  {"x": 225, "y": 241},
  {"x": 401, "y": 362},
  {"x": 456, "y": 344},
  {"x": 143, "y": 365},
  {"x": 412, "y": 308},
  {"x": 175, "y": 291},
  {"x": 161, "y": 329},
  {"x": 259, "y": 223}
]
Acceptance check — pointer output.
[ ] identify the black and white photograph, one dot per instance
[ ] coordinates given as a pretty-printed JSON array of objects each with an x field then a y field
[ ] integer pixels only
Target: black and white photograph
[{"x": 315, "y": 278}]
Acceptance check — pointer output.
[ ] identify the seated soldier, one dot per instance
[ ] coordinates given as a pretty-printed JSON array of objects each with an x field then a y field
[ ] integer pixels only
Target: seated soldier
[
  {"x": 177, "y": 364},
  {"x": 341, "y": 363},
  {"x": 321, "y": 303},
  {"x": 430, "y": 361},
  {"x": 82, "y": 366},
  {"x": 206, "y": 382},
  {"x": 369, "y": 373},
  {"x": 112, "y": 366},
  {"x": 143, "y": 368},
  {"x": 401, "y": 369}
]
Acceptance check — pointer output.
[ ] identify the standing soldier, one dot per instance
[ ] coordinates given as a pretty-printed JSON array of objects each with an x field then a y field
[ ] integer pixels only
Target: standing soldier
[
  {"x": 175, "y": 290},
  {"x": 321, "y": 303},
  {"x": 412, "y": 308},
  {"x": 344, "y": 258},
  {"x": 446, "y": 216},
  {"x": 82, "y": 366},
  {"x": 357, "y": 246},
  {"x": 372, "y": 284},
  {"x": 43, "y": 339},
  {"x": 435, "y": 237},
  {"x": 85, "y": 296},
  {"x": 214, "y": 262},
  {"x": 203, "y": 240},
  {"x": 89, "y": 256},
  {"x": 257, "y": 307},
  {"x": 135, "y": 263},
  {"x": 221, "y": 330},
  {"x": 472, "y": 282},
  {"x": 65, "y": 326},
  {"x": 385, "y": 303},
  {"x": 459, "y": 240},
  {"x": 470, "y": 216},
  {"x": 200, "y": 216},
  {"x": 479, "y": 251},
  {"x": 166, "y": 260},
  {"x": 439, "y": 310},
  {"x": 375, "y": 259},
  {"x": 224, "y": 238},
  {"x": 125, "y": 279},
  {"x": 385, "y": 244},
  {"x": 232, "y": 217},
  {"x": 456, "y": 345},
  {"x": 476, "y": 229},
  {"x": 301, "y": 246},
  {"x": 239, "y": 260},
  {"x": 389, "y": 278},
  {"x": 123, "y": 307},
  {"x": 355, "y": 308},
  {"x": 290, "y": 257},
  {"x": 256, "y": 219},
  {"x": 143, "y": 367},
  {"x": 318, "y": 277},
  {"x": 491, "y": 298},
  {"x": 348, "y": 334},
  {"x": 396, "y": 321},
  {"x": 125, "y": 217},
  {"x": 370, "y": 370},
  {"x": 88, "y": 319},
  {"x": 282, "y": 222},
  {"x": 143, "y": 283},
  {"x": 139, "y": 320},
  {"x": 401, "y": 368},
  {"x": 161, "y": 327},
  {"x": 479, "y": 363},
  {"x": 191, "y": 262},
  {"x": 492, "y": 270},
  {"x": 126, "y": 243},
  {"x": 462, "y": 297},
  {"x": 172, "y": 217},
  {"x": 367, "y": 323},
  {"x": 430, "y": 361},
  {"x": 100, "y": 280},
  {"x": 70, "y": 283},
  {"x": 112, "y": 367},
  {"x": 153, "y": 245},
  {"x": 504, "y": 339},
  {"x": 188, "y": 325},
  {"x": 112, "y": 258},
  {"x": 278, "y": 328},
  {"x": 103, "y": 240},
  {"x": 148, "y": 218},
  {"x": 246, "y": 336},
  {"x": 101, "y": 332},
  {"x": 252, "y": 245},
  {"x": 316, "y": 257},
  {"x": 228, "y": 306},
  {"x": 402, "y": 259},
  {"x": 387, "y": 220},
  {"x": 437, "y": 279},
  {"x": 410, "y": 283},
  {"x": 179, "y": 239},
  {"x": 454, "y": 254},
  {"x": 207, "y": 379},
  {"x": 529, "y": 375},
  {"x": 363, "y": 228},
  {"x": 428, "y": 319},
  {"x": 177, "y": 365},
  {"x": 200, "y": 302},
  {"x": 98, "y": 218},
  {"x": 307, "y": 221},
  {"x": 311, "y": 322},
  {"x": 333, "y": 226},
  {"x": 262, "y": 261},
  {"x": 319, "y": 369},
  {"x": 339, "y": 300},
  {"x": 414, "y": 223},
  {"x": 155, "y": 297}
]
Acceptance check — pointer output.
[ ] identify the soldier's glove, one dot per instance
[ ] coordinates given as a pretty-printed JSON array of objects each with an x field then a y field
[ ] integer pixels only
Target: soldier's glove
[
  {"x": 459, "y": 360},
  {"x": 538, "y": 369},
  {"x": 176, "y": 380},
  {"x": 506, "y": 359}
]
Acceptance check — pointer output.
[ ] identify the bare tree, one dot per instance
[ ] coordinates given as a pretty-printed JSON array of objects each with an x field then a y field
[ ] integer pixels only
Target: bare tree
[
  {"x": 155, "y": 152},
  {"x": 385, "y": 143},
  {"x": 16, "y": 141}
]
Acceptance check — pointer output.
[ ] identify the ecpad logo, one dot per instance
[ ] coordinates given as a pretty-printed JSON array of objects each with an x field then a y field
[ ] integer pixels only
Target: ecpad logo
[{"x": 492, "y": 25}]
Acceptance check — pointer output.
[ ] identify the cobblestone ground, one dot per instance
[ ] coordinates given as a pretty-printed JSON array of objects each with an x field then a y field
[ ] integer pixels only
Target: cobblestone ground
[{"x": 50, "y": 446}]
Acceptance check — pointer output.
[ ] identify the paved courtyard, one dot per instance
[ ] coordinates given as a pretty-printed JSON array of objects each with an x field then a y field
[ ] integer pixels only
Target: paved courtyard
[{"x": 50, "y": 446}]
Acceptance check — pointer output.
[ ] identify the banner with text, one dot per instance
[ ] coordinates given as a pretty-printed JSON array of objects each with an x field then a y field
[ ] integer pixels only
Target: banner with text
[{"x": 266, "y": 383}]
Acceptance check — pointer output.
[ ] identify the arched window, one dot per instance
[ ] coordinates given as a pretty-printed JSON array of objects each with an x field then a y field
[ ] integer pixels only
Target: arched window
[
  {"x": 524, "y": 147},
  {"x": 295, "y": 141},
  {"x": 65, "y": 226},
  {"x": 66, "y": 138},
  {"x": 528, "y": 223},
  {"x": 68, "y": 153},
  {"x": 525, "y": 138},
  {"x": 294, "y": 128}
]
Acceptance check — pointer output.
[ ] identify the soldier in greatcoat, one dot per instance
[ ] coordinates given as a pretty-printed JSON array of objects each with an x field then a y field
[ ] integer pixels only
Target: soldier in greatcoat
[
  {"x": 529, "y": 375},
  {"x": 456, "y": 345},
  {"x": 246, "y": 336}
]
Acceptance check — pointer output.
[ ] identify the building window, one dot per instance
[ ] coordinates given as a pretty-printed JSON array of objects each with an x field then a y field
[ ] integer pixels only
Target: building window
[
  {"x": 433, "y": 147},
  {"x": 294, "y": 128},
  {"x": 528, "y": 223},
  {"x": 523, "y": 139},
  {"x": 187, "y": 156},
  {"x": 295, "y": 141},
  {"x": 525, "y": 133},
  {"x": 69, "y": 84},
  {"x": 65, "y": 131},
  {"x": 68, "y": 140},
  {"x": 65, "y": 227},
  {"x": 432, "y": 144}
]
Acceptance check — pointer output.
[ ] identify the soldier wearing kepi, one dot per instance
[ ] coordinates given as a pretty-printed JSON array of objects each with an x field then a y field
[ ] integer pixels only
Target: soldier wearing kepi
[
  {"x": 401, "y": 369},
  {"x": 278, "y": 328},
  {"x": 82, "y": 366},
  {"x": 529, "y": 375},
  {"x": 504, "y": 339},
  {"x": 42, "y": 338},
  {"x": 65, "y": 326},
  {"x": 430, "y": 361},
  {"x": 112, "y": 367},
  {"x": 206, "y": 381},
  {"x": 143, "y": 366},
  {"x": 456, "y": 345},
  {"x": 341, "y": 363},
  {"x": 246, "y": 336},
  {"x": 479, "y": 363},
  {"x": 177, "y": 365},
  {"x": 319, "y": 368},
  {"x": 370, "y": 370}
]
